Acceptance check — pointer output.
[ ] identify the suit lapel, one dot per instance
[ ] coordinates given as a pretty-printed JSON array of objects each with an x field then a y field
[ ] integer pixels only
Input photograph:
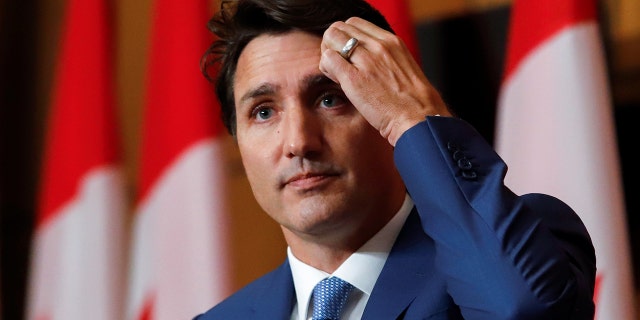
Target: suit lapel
[
  {"x": 401, "y": 280},
  {"x": 275, "y": 300},
  {"x": 403, "y": 276}
]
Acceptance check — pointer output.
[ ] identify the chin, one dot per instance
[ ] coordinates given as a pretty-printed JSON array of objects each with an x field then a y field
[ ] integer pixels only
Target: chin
[{"x": 322, "y": 213}]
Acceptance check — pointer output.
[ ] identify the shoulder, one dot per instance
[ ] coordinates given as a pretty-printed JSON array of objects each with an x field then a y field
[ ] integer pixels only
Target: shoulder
[{"x": 247, "y": 303}]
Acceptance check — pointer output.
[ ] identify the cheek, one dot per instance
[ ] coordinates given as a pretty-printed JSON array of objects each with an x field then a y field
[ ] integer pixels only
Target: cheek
[
  {"x": 261, "y": 183},
  {"x": 259, "y": 168},
  {"x": 253, "y": 162},
  {"x": 369, "y": 151},
  {"x": 360, "y": 136}
]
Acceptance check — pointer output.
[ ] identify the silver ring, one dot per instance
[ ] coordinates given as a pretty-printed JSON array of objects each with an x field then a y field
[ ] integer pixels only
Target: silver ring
[{"x": 348, "y": 48}]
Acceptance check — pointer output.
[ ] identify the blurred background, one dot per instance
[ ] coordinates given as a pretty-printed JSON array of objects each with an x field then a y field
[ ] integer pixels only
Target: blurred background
[{"x": 462, "y": 47}]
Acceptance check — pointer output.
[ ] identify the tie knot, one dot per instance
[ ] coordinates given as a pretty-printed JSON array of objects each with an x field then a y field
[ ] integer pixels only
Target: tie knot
[{"x": 329, "y": 296}]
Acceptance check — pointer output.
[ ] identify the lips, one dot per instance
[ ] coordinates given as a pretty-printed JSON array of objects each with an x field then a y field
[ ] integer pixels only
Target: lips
[{"x": 309, "y": 180}]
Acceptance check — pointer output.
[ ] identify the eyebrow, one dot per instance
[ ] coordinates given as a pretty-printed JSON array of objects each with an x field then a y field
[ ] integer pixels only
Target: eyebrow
[
  {"x": 263, "y": 89},
  {"x": 308, "y": 82},
  {"x": 314, "y": 80}
]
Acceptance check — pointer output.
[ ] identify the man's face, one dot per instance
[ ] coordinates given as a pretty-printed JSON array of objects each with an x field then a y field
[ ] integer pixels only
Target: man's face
[{"x": 314, "y": 163}]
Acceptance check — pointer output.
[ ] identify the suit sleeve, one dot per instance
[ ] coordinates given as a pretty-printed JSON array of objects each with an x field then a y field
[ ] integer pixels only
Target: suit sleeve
[{"x": 504, "y": 256}]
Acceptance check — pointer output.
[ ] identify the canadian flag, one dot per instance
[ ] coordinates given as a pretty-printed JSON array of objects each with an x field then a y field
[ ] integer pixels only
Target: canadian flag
[
  {"x": 555, "y": 130},
  {"x": 179, "y": 258},
  {"x": 77, "y": 264}
]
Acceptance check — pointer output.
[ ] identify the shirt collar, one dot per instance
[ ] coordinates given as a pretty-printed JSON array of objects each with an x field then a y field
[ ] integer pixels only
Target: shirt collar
[{"x": 361, "y": 269}]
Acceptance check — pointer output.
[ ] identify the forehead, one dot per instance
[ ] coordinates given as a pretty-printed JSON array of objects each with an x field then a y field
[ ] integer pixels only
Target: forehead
[{"x": 277, "y": 60}]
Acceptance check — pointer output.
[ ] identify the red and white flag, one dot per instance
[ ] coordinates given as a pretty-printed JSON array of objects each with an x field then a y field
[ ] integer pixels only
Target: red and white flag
[
  {"x": 77, "y": 255},
  {"x": 555, "y": 130},
  {"x": 180, "y": 264},
  {"x": 397, "y": 14}
]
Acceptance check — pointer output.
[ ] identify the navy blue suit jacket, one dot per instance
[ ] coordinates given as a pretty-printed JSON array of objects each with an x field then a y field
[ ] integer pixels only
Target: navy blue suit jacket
[{"x": 470, "y": 249}]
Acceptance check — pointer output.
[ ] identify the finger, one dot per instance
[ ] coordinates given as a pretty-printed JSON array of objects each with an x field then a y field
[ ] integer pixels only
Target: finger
[
  {"x": 382, "y": 36},
  {"x": 365, "y": 27},
  {"x": 334, "y": 66},
  {"x": 357, "y": 28},
  {"x": 377, "y": 41},
  {"x": 337, "y": 36}
]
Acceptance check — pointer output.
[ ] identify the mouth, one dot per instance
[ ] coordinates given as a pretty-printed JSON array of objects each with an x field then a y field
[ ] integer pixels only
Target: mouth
[{"x": 309, "y": 180}]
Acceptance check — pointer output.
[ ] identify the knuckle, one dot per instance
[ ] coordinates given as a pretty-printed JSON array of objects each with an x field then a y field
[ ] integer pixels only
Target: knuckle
[
  {"x": 352, "y": 20},
  {"x": 394, "y": 40},
  {"x": 333, "y": 32},
  {"x": 377, "y": 47}
]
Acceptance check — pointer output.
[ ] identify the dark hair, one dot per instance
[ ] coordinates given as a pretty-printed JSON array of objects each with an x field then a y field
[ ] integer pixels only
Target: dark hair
[{"x": 240, "y": 21}]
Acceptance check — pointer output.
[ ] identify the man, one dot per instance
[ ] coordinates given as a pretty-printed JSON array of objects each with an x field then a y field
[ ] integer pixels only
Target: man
[{"x": 350, "y": 149}]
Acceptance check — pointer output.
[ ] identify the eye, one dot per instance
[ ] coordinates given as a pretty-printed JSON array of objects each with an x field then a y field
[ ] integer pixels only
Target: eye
[
  {"x": 262, "y": 113},
  {"x": 331, "y": 100}
]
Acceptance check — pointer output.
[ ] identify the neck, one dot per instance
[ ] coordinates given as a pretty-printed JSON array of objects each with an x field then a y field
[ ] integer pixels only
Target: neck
[{"x": 326, "y": 250}]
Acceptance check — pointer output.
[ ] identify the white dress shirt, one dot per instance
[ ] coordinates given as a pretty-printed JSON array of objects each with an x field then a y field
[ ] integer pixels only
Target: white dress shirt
[{"x": 361, "y": 269}]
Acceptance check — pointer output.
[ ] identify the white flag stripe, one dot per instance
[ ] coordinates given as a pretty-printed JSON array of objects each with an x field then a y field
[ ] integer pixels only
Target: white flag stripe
[
  {"x": 182, "y": 224},
  {"x": 545, "y": 97},
  {"x": 78, "y": 263},
  {"x": 141, "y": 271},
  {"x": 555, "y": 129}
]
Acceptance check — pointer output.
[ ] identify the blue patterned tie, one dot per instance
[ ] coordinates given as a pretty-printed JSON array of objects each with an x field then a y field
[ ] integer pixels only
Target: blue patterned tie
[{"x": 329, "y": 296}]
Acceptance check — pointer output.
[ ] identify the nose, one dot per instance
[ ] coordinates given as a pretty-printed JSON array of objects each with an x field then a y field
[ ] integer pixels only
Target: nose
[{"x": 302, "y": 133}]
